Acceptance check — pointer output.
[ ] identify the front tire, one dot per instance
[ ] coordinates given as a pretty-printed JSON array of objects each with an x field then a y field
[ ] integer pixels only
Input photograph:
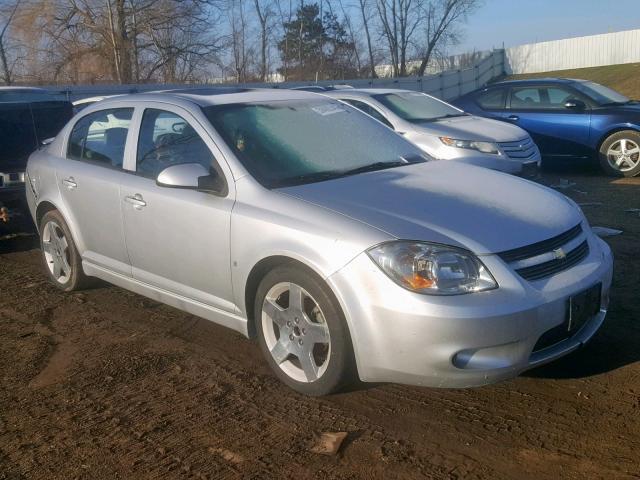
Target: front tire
[
  {"x": 302, "y": 332},
  {"x": 620, "y": 154},
  {"x": 59, "y": 254}
]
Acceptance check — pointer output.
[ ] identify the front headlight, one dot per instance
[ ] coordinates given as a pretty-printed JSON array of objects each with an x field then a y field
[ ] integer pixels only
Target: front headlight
[
  {"x": 431, "y": 268},
  {"x": 484, "y": 147}
]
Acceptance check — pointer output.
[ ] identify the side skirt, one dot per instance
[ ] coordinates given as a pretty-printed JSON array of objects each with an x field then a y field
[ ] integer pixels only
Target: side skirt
[{"x": 226, "y": 319}]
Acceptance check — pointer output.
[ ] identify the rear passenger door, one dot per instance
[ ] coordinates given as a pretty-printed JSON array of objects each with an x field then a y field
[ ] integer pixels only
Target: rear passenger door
[
  {"x": 558, "y": 131},
  {"x": 178, "y": 239},
  {"x": 89, "y": 182}
]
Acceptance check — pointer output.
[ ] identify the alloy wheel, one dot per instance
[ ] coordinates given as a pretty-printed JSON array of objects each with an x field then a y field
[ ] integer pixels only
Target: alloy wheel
[
  {"x": 296, "y": 332},
  {"x": 56, "y": 252},
  {"x": 624, "y": 155}
]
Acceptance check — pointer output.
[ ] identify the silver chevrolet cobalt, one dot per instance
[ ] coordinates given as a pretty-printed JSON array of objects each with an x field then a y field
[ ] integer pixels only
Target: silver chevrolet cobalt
[{"x": 301, "y": 221}]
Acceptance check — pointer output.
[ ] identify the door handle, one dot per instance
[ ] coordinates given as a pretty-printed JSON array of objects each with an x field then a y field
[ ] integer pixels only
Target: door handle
[
  {"x": 513, "y": 118},
  {"x": 70, "y": 183},
  {"x": 136, "y": 200}
]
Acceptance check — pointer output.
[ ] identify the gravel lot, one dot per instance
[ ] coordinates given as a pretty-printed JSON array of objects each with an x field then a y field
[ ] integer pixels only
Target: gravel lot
[{"x": 106, "y": 384}]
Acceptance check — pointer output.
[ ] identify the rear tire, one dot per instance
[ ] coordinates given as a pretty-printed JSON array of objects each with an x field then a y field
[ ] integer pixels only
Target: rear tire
[
  {"x": 620, "y": 154},
  {"x": 60, "y": 256},
  {"x": 306, "y": 342}
]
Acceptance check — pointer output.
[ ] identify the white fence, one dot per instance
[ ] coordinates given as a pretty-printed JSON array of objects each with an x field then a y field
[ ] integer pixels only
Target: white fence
[
  {"x": 578, "y": 52},
  {"x": 446, "y": 85}
]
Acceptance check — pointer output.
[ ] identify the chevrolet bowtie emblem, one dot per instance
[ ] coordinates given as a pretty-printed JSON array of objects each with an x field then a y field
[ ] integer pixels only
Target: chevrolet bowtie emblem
[{"x": 559, "y": 253}]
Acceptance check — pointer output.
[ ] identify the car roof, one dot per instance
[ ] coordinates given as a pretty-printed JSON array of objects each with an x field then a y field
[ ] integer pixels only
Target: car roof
[
  {"x": 366, "y": 92},
  {"x": 10, "y": 89},
  {"x": 323, "y": 88},
  {"x": 205, "y": 97},
  {"x": 537, "y": 81}
]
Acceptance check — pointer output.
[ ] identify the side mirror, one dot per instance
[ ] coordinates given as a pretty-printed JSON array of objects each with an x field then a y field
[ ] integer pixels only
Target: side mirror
[
  {"x": 192, "y": 176},
  {"x": 575, "y": 104}
]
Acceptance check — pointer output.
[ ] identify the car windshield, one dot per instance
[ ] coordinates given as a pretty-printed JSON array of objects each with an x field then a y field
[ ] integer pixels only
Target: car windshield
[
  {"x": 417, "y": 107},
  {"x": 600, "y": 94},
  {"x": 288, "y": 143}
]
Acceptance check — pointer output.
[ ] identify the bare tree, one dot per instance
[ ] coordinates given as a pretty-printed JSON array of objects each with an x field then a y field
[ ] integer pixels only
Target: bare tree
[
  {"x": 6, "y": 68},
  {"x": 352, "y": 37},
  {"x": 399, "y": 20},
  {"x": 440, "y": 19},
  {"x": 364, "y": 6},
  {"x": 124, "y": 41},
  {"x": 120, "y": 40},
  {"x": 264, "y": 12},
  {"x": 239, "y": 49},
  {"x": 285, "y": 14}
]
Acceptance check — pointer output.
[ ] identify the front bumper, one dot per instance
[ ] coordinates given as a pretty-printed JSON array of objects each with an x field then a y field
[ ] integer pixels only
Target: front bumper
[
  {"x": 528, "y": 166},
  {"x": 516, "y": 166},
  {"x": 404, "y": 337}
]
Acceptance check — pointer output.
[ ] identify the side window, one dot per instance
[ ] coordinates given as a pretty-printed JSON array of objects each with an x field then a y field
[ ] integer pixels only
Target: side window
[
  {"x": 369, "y": 111},
  {"x": 526, "y": 97},
  {"x": 167, "y": 139},
  {"x": 492, "y": 99},
  {"x": 101, "y": 137},
  {"x": 559, "y": 96}
]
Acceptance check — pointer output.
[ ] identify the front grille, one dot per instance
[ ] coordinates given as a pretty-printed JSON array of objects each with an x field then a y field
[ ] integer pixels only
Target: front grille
[
  {"x": 548, "y": 257},
  {"x": 556, "y": 265},
  {"x": 521, "y": 149},
  {"x": 540, "y": 247}
]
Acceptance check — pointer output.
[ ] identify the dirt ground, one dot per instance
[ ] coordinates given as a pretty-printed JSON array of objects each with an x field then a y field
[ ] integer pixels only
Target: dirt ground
[{"x": 106, "y": 384}]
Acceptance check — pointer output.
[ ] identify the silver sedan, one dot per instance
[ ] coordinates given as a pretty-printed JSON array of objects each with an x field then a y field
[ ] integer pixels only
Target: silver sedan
[
  {"x": 298, "y": 220},
  {"x": 446, "y": 132}
]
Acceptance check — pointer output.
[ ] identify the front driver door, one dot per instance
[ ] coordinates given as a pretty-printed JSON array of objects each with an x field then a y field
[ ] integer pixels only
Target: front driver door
[
  {"x": 558, "y": 131},
  {"x": 177, "y": 239}
]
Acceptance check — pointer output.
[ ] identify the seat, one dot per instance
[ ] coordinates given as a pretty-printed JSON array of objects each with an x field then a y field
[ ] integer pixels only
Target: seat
[{"x": 115, "y": 141}]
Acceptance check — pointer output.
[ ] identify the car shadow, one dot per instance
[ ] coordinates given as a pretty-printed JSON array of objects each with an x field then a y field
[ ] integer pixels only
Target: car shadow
[
  {"x": 614, "y": 346},
  {"x": 18, "y": 242}
]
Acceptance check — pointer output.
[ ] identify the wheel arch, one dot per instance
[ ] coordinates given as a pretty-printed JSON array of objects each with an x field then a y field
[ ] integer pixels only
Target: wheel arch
[
  {"x": 259, "y": 271},
  {"x": 45, "y": 206},
  {"x": 42, "y": 209},
  {"x": 614, "y": 130}
]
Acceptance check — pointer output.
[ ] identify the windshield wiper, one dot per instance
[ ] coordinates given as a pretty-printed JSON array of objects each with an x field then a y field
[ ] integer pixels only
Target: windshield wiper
[
  {"x": 308, "y": 178},
  {"x": 333, "y": 174},
  {"x": 381, "y": 166},
  {"x": 435, "y": 119},
  {"x": 452, "y": 115}
]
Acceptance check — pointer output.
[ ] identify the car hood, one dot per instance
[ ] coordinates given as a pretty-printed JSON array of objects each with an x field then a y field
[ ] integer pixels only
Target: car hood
[
  {"x": 445, "y": 202},
  {"x": 470, "y": 127}
]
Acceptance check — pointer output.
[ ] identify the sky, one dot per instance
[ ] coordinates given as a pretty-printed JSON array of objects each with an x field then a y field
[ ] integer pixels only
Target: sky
[{"x": 516, "y": 22}]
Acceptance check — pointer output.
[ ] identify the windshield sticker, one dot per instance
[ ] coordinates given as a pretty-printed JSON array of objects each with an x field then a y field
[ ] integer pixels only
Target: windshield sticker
[{"x": 328, "y": 109}]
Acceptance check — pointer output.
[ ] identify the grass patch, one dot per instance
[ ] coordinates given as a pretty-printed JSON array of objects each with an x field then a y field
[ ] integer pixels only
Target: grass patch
[{"x": 624, "y": 78}]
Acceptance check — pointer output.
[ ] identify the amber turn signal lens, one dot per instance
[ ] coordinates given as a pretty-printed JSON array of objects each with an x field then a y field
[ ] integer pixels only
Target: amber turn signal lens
[{"x": 418, "y": 282}]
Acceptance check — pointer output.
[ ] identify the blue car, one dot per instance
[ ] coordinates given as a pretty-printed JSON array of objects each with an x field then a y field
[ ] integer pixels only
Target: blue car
[{"x": 569, "y": 119}]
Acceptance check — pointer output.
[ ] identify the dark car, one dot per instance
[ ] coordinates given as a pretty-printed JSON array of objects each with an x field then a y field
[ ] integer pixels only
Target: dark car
[
  {"x": 568, "y": 119},
  {"x": 27, "y": 117}
]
